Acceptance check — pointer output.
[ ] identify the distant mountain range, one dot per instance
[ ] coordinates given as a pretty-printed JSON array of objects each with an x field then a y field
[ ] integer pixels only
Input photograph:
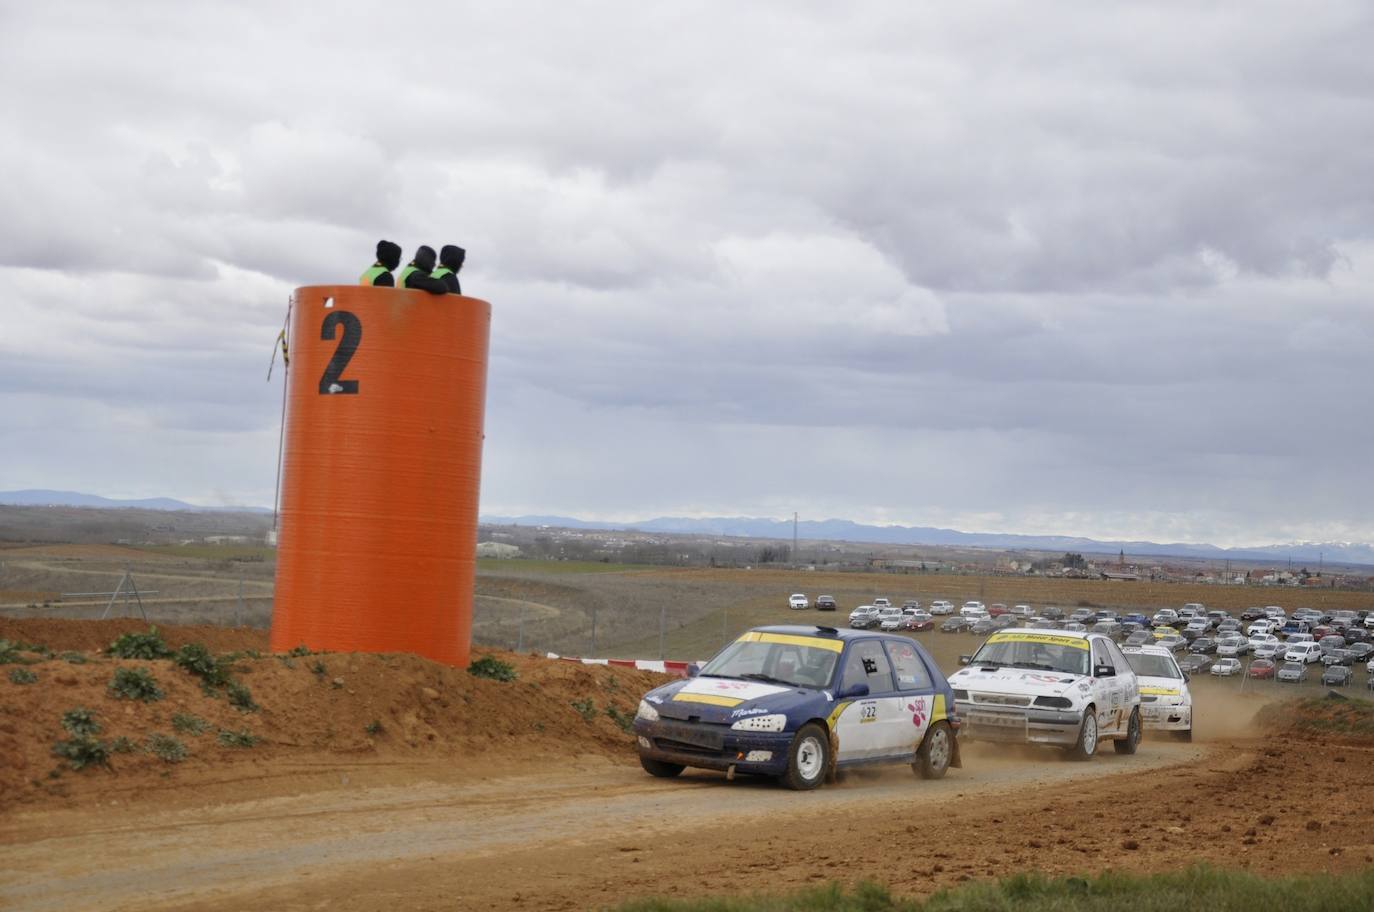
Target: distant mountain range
[
  {"x": 844, "y": 530},
  {"x": 38, "y": 498},
  {"x": 1304, "y": 553}
]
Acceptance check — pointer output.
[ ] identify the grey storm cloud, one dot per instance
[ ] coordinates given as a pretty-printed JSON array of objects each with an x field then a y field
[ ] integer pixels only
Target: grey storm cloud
[{"x": 1080, "y": 268}]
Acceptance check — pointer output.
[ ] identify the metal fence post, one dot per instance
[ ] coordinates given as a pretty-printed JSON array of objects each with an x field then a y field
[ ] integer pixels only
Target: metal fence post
[{"x": 520, "y": 631}]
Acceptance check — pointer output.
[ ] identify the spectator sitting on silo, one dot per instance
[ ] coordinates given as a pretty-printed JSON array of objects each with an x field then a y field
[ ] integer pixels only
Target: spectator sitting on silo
[
  {"x": 417, "y": 273},
  {"x": 388, "y": 258},
  {"x": 450, "y": 264}
]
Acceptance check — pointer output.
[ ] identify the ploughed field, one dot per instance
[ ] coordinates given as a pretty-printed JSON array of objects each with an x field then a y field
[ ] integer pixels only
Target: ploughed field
[{"x": 389, "y": 782}]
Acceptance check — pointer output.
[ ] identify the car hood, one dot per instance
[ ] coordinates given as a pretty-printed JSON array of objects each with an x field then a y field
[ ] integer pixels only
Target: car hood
[
  {"x": 1015, "y": 680},
  {"x": 726, "y": 700}
]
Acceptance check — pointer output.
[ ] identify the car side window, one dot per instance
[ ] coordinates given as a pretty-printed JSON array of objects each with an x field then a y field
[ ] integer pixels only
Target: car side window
[
  {"x": 911, "y": 671},
  {"x": 1118, "y": 657},
  {"x": 867, "y": 664},
  {"x": 1100, "y": 656}
]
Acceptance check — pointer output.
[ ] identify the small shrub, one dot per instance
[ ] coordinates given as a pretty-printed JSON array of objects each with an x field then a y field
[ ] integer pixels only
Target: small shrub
[
  {"x": 241, "y": 698},
  {"x": 585, "y": 708},
  {"x": 140, "y": 646},
  {"x": 22, "y": 676},
  {"x": 317, "y": 667},
  {"x": 373, "y": 728},
  {"x": 74, "y": 658},
  {"x": 299, "y": 651},
  {"x": 82, "y": 752},
  {"x": 134, "y": 684},
  {"x": 121, "y": 745},
  {"x": 188, "y": 724},
  {"x": 489, "y": 667},
  {"x": 625, "y": 720},
  {"x": 9, "y": 653},
  {"x": 196, "y": 659},
  {"x": 166, "y": 748},
  {"x": 242, "y": 738},
  {"x": 80, "y": 722}
]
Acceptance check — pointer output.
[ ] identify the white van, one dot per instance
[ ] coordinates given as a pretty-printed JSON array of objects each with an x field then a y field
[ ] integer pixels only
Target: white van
[{"x": 1307, "y": 653}]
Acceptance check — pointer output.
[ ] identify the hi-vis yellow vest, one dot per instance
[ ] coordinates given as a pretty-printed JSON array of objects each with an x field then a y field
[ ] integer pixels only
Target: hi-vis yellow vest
[{"x": 370, "y": 277}]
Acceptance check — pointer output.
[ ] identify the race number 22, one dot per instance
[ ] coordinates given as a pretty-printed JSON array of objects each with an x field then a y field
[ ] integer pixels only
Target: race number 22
[{"x": 332, "y": 382}]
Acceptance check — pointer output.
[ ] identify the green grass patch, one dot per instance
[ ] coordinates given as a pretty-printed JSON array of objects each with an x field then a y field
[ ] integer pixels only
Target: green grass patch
[
  {"x": 242, "y": 738},
  {"x": 122, "y": 745},
  {"x": 585, "y": 708},
  {"x": 1338, "y": 714},
  {"x": 626, "y": 720},
  {"x": 80, "y": 722},
  {"x": 189, "y": 724},
  {"x": 166, "y": 748},
  {"x": 22, "y": 676},
  {"x": 493, "y": 668},
  {"x": 73, "y": 658},
  {"x": 82, "y": 752},
  {"x": 1195, "y": 888},
  {"x": 197, "y": 660},
  {"x": 134, "y": 684},
  {"x": 10, "y": 652},
  {"x": 149, "y": 645},
  {"x": 241, "y": 698}
]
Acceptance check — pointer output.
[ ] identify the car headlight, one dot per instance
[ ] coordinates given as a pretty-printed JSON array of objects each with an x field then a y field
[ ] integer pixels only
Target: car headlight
[
  {"x": 771, "y": 723},
  {"x": 646, "y": 712}
]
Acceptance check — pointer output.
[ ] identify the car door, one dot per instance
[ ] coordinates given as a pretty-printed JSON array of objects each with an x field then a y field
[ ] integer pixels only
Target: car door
[
  {"x": 865, "y": 727},
  {"x": 915, "y": 698},
  {"x": 1109, "y": 690}
]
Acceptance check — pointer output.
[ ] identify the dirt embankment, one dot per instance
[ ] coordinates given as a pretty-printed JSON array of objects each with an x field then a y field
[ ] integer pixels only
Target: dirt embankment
[{"x": 318, "y": 708}]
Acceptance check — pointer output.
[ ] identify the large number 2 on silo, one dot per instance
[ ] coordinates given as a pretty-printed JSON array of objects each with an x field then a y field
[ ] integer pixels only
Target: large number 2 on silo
[{"x": 330, "y": 382}]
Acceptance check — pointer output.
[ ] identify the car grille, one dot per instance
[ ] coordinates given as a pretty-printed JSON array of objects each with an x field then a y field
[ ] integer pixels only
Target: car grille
[
  {"x": 1148, "y": 698},
  {"x": 1001, "y": 699}
]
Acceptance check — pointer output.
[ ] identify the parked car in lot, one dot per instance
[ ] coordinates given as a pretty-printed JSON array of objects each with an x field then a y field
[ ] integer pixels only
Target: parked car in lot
[
  {"x": 1306, "y": 653},
  {"x": 1336, "y": 676},
  {"x": 955, "y": 624},
  {"x": 1107, "y": 628},
  {"x": 1267, "y": 651},
  {"x": 1226, "y": 667},
  {"x": 1261, "y": 668},
  {"x": 1052, "y": 612},
  {"x": 1263, "y": 625},
  {"x": 1082, "y": 615},
  {"x": 1232, "y": 646},
  {"x": 1172, "y": 643},
  {"x": 973, "y": 609},
  {"x": 997, "y": 609},
  {"x": 1361, "y": 652},
  {"x": 1023, "y": 612},
  {"x": 917, "y": 620},
  {"x": 1164, "y": 617},
  {"x": 798, "y": 600},
  {"x": 1292, "y": 672},
  {"x": 825, "y": 603},
  {"x": 864, "y": 616},
  {"x": 910, "y": 604},
  {"x": 1252, "y": 614},
  {"x": 1338, "y": 657},
  {"x": 881, "y": 602},
  {"x": 1139, "y": 638},
  {"x": 941, "y": 606},
  {"x": 1194, "y": 664},
  {"x": 1165, "y": 701},
  {"x": 1060, "y": 689},
  {"x": 890, "y": 618},
  {"x": 1136, "y": 618},
  {"x": 1262, "y": 639},
  {"x": 1205, "y": 646},
  {"x": 778, "y": 700}
]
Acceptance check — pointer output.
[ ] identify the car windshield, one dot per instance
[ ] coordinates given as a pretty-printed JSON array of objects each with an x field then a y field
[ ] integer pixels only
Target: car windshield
[
  {"x": 1043, "y": 651},
  {"x": 783, "y": 658},
  {"x": 1152, "y": 666}
]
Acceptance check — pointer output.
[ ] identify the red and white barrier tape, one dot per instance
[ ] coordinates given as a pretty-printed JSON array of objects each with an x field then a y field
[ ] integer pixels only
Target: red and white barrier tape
[{"x": 676, "y": 669}]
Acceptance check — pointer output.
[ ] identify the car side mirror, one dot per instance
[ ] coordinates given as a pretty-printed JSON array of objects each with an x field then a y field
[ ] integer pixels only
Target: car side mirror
[
  {"x": 693, "y": 670},
  {"x": 1104, "y": 671},
  {"x": 964, "y": 660},
  {"x": 853, "y": 690},
  {"x": 1186, "y": 678}
]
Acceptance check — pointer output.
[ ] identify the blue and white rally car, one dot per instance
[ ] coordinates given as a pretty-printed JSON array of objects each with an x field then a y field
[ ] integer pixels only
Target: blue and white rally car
[{"x": 798, "y": 702}]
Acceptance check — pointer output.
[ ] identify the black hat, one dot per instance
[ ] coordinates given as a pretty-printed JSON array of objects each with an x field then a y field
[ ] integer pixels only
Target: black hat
[
  {"x": 424, "y": 258},
  {"x": 388, "y": 254},
  {"x": 452, "y": 257}
]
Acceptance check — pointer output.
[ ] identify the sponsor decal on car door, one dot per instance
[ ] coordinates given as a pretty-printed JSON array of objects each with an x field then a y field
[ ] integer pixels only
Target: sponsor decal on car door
[{"x": 867, "y": 728}]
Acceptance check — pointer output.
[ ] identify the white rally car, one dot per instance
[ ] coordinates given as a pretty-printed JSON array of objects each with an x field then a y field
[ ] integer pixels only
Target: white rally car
[
  {"x": 1059, "y": 688},
  {"x": 1165, "y": 701}
]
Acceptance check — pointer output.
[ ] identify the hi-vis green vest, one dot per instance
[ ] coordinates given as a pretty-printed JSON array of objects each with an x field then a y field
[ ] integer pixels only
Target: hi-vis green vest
[
  {"x": 405, "y": 274},
  {"x": 370, "y": 277},
  {"x": 441, "y": 272}
]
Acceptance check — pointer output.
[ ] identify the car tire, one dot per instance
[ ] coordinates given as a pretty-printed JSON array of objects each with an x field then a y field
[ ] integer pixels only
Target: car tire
[
  {"x": 808, "y": 759},
  {"x": 1185, "y": 735},
  {"x": 1086, "y": 745},
  {"x": 661, "y": 769},
  {"x": 936, "y": 752},
  {"x": 1128, "y": 744}
]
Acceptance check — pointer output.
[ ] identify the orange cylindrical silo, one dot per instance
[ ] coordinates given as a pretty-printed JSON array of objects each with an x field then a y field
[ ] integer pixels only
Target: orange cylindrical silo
[{"x": 381, "y": 465}]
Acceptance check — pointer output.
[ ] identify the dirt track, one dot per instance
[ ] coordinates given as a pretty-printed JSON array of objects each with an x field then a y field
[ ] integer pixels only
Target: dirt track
[{"x": 479, "y": 794}]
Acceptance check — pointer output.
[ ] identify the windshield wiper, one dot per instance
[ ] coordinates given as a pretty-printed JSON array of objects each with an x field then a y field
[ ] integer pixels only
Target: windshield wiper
[
  {"x": 1037, "y": 665},
  {"x": 756, "y": 676},
  {"x": 989, "y": 664}
]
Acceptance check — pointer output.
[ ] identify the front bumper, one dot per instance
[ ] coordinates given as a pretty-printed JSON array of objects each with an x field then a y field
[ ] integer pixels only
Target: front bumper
[
  {"x": 716, "y": 747},
  {"x": 1166, "y": 717},
  {"x": 1018, "y": 724}
]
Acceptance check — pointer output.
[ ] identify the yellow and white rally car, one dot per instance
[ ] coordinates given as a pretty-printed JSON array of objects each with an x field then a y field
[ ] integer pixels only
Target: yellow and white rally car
[{"x": 1165, "y": 701}]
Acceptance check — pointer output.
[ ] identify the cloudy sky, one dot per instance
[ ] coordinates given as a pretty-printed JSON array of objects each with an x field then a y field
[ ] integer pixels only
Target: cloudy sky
[{"x": 1075, "y": 268}]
